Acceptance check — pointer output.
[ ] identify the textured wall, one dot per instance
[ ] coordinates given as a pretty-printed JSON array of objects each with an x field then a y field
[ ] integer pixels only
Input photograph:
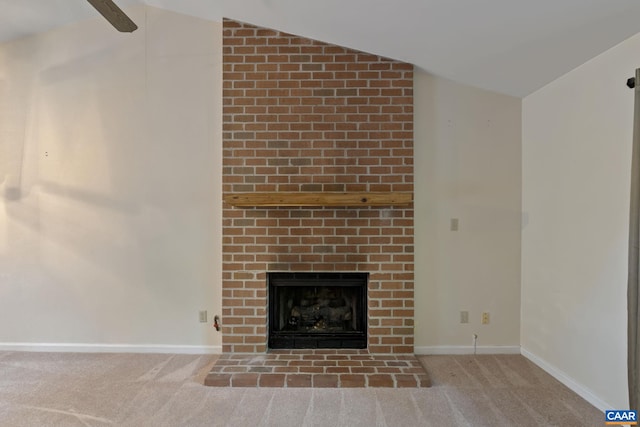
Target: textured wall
[
  {"x": 576, "y": 151},
  {"x": 110, "y": 152},
  {"x": 467, "y": 148}
]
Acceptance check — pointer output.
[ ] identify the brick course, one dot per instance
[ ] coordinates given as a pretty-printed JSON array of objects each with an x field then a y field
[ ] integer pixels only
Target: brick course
[{"x": 302, "y": 115}]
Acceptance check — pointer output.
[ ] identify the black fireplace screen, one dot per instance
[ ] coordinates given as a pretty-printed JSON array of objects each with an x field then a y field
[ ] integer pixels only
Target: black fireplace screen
[{"x": 317, "y": 310}]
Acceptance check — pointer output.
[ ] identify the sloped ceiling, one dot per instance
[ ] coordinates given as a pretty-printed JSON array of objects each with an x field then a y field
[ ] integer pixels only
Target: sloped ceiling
[{"x": 508, "y": 46}]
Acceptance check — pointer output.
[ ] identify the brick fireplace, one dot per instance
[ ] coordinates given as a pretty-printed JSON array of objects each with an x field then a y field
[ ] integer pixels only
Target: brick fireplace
[{"x": 305, "y": 116}]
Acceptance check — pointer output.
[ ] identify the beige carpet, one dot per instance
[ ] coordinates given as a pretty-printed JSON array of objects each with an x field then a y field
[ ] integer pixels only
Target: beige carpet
[{"x": 55, "y": 389}]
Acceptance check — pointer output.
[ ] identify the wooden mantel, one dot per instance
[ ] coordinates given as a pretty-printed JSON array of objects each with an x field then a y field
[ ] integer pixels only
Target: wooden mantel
[{"x": 292, "y": 199}]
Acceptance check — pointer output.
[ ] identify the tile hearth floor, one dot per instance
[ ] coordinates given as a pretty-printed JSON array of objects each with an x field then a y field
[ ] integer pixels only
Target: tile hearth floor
[{"x": 317, "y": 368}]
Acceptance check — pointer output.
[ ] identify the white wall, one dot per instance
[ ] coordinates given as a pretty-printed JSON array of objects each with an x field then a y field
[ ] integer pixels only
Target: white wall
[
  {"x": 467, "y": 157},
  {"x": 577, "y": 134},
  {"x": 110, "y": 157},
  {"x": 109, "y": 171}
]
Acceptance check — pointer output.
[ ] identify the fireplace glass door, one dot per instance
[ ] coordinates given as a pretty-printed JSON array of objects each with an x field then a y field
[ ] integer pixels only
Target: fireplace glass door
[{"x": 317, "y": 310}]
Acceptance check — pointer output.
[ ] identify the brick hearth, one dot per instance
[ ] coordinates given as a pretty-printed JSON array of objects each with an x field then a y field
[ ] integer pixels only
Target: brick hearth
[{"x": 317, "y": 368}]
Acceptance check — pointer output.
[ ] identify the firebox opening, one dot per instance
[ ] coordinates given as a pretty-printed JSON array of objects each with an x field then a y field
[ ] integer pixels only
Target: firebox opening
[{"x": 317, "y": 310}]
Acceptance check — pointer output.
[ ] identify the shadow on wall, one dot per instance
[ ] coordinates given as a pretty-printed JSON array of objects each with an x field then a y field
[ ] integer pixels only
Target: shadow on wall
[
  {"x": 93, "y": 198},
  {"x": 71, "y": 163},
  {"x": 12, "y": 194}
]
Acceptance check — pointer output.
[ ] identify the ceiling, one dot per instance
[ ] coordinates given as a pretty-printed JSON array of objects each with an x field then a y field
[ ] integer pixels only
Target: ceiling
[{"x": 508, "y": 46}]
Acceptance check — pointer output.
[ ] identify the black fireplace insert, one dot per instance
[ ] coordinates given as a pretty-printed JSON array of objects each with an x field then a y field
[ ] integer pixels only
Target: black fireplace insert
[{"x": 317, "y": 310}]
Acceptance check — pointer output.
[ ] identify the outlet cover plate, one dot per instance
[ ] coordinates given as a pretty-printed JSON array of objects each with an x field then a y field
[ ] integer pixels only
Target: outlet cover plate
[
  {"x": 464, "y": 316},
  {"x": 485, "y": 318}
]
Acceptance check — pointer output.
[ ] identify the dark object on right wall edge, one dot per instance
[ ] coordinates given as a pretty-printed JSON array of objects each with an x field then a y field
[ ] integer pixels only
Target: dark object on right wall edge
[{"x": 631, "y": 82}]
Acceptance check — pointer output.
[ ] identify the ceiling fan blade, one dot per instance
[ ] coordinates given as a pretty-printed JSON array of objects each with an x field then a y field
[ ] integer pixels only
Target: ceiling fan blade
[{"x": 114, "y": 15}]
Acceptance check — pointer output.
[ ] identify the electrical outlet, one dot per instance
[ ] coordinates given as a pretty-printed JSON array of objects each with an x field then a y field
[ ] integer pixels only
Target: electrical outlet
[
  {"x": 464, "y": 316},
  {"x": 454, "y": 224},
  {"x": 485, "y": 318},
  {"x": 203, "y": 316}
]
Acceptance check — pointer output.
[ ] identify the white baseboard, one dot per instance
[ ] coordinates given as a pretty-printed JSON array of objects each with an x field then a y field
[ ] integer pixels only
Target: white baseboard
[
  {"x": 467, "y": 349},
  {"x": 110, "y": 348},
  {"x": 565, "y": 379}
]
